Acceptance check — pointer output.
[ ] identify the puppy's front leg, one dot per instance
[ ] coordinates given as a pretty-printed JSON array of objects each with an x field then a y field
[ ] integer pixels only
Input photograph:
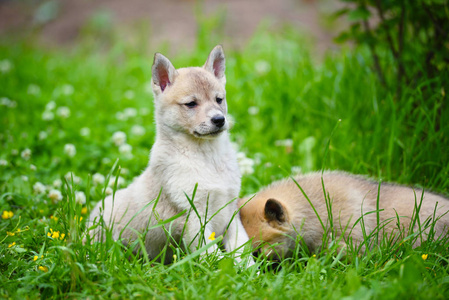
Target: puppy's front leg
[{"x": 235, "y": 238}]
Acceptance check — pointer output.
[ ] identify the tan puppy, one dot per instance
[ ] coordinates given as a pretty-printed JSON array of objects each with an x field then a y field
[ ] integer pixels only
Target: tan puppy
[
  {"x": 192, "y": 147},
  {"x": 280, "y": 212}
]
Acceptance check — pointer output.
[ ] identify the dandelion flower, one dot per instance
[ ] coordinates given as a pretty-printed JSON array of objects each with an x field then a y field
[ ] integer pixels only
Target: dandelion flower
[
  {"x": 39, "y": 188},
  {"x": 26, "y": 154},
  {"x": 63, "y": 112},
  {"x": 119, "y": 138},
  {"x": 424, "y": 256},
  {"x": 70, "y": 150},
  {"x": 212, "y": 236},
  {"x": 55, "y": 195},
  {"x": 43, "y": 268},
  {"x": 7, "y": 215},
  {"x": 80, "y": 197},
  {"x": 98, "y": 178}
]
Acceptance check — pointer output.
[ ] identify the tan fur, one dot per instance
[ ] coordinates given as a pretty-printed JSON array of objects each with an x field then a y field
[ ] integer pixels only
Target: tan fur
[{"x": 350, "y": 196}]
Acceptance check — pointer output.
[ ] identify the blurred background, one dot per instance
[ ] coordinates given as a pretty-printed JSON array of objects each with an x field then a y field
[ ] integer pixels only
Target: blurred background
[{"x": 171, "y": 24}]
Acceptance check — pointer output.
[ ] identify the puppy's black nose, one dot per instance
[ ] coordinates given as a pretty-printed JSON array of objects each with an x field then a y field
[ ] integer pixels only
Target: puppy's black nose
[{"x": 218, "y": 120}]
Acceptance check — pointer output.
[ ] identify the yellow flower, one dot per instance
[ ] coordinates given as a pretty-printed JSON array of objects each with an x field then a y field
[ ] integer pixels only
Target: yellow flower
[
  {"x": 55, "y": 234},
  {"x": 314, "y": 255},
  {"x": 43, "y": 268},
  {"x": 10, "y": 245},
  {"x": 49, "y": 234},
  {"x": 84, "y": 210},
  {"x": 62, "y": 236},
  {"x": 424, "y": 256},
  {"x": 7, "y": 215},
  {"x": 10, "y": 233},
  {"x": 35, "y": 257},
  {"x": 54, "y": 218},
  {"x": 212, "y": 236}
]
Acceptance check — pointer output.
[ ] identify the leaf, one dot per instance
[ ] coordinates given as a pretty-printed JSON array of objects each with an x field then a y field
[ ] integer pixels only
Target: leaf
[{"x": 361, "y": 13}]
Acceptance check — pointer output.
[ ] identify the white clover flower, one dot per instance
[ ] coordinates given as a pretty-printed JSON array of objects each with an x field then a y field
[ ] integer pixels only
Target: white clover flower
[
  {"x": 246, "y": 165},
  {"x": 120, "y": 181},
  {"x": 130, "y": 112},
  {"x": 284, "y": 143},
  {"x": 5, "y": 101},
  {"x": 137, "y": 130},
  {"x": 120, "y": 116},
  {"x": 129, "y": 94},
  {"x": 80, "y": 197},
  {"x": 108, "y": 191},
  {"x": 296, "y": 170},
  {"x": 39, "y": 188},
  {"x": 119, "y": 138},
  {"x": 25, "y": 178},
  {"x": 33, "y": 89},
  {"x": 57, "y": 183},
  {"x": 33, "y": 168},
  {"x": 12, "y": 104},
  {"x": 26, "y": 154},
  {"x": 262, "y": 67},
  {"x": 5, "y": 66},
  {"x": 70, "y": 150},
  {"x": 48, "y": 115},
  {"x": 124, "y": 171},
  {"x": 125, "y": 149},
  {"x": 67, "y": 89},
  {"x": 253, "y": 110},
  {"x": 85, "y": 131},
  {"x": 63, "y": 112},
  {"x": 14, "y": 152},
  {"x": 98, "y": 179},
  {"x": 42, "y": 135},
  {"x": 50, "y": 105},
  {"x": 148, "y": 88},
  {"x": 3, "y": 162},
  {"x": 55, "y": 195},
  {"x": 106, "y": 161},
  {"x": 69, "y": 175},
  {"x": 144, "y": 111}
]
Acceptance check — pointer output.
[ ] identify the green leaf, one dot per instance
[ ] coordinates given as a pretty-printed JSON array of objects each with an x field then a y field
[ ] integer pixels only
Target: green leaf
[{"x": 361, "y": 13}]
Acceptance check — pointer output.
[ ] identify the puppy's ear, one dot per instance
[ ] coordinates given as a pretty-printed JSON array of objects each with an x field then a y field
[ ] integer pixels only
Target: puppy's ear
[
  {"x": 163, "y": 72},
  {"x": 216, "y": 63},
  {"x": 274, "y": 211}
]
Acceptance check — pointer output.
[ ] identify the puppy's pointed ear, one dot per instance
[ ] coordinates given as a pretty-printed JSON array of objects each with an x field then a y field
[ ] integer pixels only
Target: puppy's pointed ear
[
  {"x": 163, "y": 72},
  {"x": 216, "y": 63},
  {"x": 274, "y": 211}
]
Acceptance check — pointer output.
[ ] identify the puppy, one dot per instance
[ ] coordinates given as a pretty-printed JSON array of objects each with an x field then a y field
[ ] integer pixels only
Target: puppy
[
  {"x": 192, "y": 148},
  {"x": 280, "y": 213}
]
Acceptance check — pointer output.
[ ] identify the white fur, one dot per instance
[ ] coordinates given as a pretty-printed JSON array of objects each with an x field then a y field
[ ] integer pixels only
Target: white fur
[{"x": 178, "y": 161}]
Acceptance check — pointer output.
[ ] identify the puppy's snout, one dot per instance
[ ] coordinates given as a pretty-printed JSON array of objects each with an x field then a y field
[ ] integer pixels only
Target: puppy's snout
[{"x": 218, "y": 120}]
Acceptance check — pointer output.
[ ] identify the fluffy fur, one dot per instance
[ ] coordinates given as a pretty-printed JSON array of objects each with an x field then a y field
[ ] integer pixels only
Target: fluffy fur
[
  {"x": 192, "y": 147},
  {"x": 280, "y": 212}
]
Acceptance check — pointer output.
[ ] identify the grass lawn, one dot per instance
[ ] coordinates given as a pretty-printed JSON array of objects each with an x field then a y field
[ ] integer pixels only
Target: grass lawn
[{"x": 61, "y": 114}]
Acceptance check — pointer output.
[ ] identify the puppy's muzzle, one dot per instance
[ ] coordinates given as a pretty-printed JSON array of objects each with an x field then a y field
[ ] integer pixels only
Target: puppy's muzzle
[{"x": 218, "y": 120}]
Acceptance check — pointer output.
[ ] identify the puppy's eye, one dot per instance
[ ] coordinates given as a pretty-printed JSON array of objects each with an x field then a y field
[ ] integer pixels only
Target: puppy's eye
[
  {"x": 219, "y": 100},
  {"x": 191, "y": 104}
]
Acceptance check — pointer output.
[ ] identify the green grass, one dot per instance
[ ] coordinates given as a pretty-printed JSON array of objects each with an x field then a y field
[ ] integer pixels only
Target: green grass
[{"x": 333, "y": 114}]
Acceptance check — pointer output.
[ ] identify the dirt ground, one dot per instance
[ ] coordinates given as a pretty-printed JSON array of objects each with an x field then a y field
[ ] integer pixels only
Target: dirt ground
[{"x": 60, "y": 22}]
